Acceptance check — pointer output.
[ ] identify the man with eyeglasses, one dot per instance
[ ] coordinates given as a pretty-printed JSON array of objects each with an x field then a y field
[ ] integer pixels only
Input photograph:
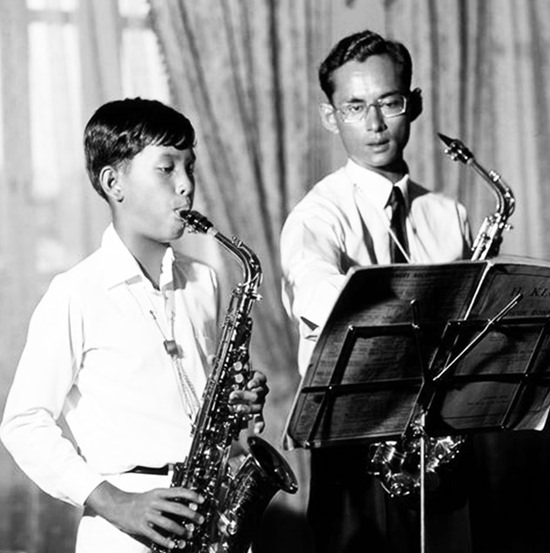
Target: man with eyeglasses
[{"x": 367, "y": 212}]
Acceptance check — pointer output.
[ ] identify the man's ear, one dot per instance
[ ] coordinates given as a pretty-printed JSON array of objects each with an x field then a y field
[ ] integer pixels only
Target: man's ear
[
  {"x": 415, "y": 104},
  {"x": 328, "y": 117},
  {"x": 109, "y": 179}
]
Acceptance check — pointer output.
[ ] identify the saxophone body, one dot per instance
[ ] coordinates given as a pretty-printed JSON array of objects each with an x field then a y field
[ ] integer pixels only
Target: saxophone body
[
  {"x": 234, "y": 501},
  {"x": 398, "y": 463}
]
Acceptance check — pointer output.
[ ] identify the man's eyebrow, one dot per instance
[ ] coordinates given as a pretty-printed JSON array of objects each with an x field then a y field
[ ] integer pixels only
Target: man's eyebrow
[
  {"x": 390, "y": 93},
  {"x": 354, "y": 100}
]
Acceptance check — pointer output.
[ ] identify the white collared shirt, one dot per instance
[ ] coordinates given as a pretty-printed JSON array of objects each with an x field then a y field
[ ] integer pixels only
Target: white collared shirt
[
  {"x": 343, "y": 222},
  {"x": 95, "y": 354}
]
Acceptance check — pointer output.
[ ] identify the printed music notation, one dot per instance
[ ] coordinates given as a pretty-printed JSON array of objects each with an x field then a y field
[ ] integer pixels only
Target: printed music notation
[{"x": 393, "y": 328}]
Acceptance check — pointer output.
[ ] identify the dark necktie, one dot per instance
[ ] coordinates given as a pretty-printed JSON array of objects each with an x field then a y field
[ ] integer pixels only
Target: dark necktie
[{"x": 397, "y": 225}]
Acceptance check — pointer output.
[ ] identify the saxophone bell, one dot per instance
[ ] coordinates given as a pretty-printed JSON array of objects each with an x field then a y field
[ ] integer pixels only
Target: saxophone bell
[{"x": 263, "y": 473}]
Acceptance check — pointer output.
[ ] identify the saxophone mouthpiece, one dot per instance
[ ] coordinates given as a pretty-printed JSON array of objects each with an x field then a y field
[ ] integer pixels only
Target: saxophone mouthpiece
[
  {"x": 197, "y": 222},
  {"x": 445, "y": 139},
  {"x": 455, "y": 149}
]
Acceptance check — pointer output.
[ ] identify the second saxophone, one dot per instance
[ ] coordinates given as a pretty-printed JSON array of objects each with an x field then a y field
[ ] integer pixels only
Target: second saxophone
[{"x": 397, "y": 463}]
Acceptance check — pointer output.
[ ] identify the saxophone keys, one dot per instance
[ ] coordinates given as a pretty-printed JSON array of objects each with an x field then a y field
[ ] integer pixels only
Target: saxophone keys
[
  {"x": 238, "y": 366},
  {"x": 227, "y": 525},
  {"x": 189, "y": 528},
  {"x": 238, "y": 378}
]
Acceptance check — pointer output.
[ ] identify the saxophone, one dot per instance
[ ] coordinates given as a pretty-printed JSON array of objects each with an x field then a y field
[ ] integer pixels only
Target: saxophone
[
  {"x": 234, "y": 502},
  {"x": 398, "y": 463},
  {"x": 489, "y": 237}
]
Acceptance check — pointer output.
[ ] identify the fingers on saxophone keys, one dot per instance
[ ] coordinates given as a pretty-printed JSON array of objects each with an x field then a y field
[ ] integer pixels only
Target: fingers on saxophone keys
[
  {"x": 258, "y": 382},
  {"x": 192, "y": 499},
  {"x": 189, "y": 528},
  {"x": 252, "y": 395},
  {"x": 173, "y": 542},
  {"x": 184, "y": 513},
  {"x": 249, "y": 414},
  {"x": 258, "y": 423},
  {"x": 177, "y": 544},
  {"x": 246, "y": 411},
  {"x": 168, "y": 543},
  {"x": 241, "y": 401}
]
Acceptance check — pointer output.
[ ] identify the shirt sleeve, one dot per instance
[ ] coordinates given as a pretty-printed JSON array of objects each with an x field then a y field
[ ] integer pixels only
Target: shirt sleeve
[
  {"x": 466, "y": 230},
  {"x": 45, "y": 373},
  {"x": 312, "y": 270}
]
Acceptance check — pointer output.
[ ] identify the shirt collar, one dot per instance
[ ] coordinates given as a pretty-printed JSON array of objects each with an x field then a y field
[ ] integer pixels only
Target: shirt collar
[
  {"x": 376, "y": 187},
  {"x": 121, "y": 266}
]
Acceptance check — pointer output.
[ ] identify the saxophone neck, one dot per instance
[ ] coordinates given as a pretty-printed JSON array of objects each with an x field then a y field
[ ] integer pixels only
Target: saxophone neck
[
  {"x": 250, "y": 264},
  {"x": 489, "y": 238},
  {"x": 506, "y": 201}
]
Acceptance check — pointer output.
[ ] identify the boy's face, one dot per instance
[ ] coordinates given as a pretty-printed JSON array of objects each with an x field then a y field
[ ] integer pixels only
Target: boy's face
[
  {"x": 376, "y": 142},
  {"x": 156, "y": 184}
]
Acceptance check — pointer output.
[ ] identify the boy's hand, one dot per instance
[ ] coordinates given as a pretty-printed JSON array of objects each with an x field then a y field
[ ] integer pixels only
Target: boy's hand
[
  {"x": 251, "y": 400},
  {"x": 142, "y": 514}
]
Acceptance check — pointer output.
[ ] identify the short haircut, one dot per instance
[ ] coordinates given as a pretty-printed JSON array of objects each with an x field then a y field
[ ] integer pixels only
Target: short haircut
[
  {"x": 119, "y": 130},
  {"x": 358, "y": 47}
]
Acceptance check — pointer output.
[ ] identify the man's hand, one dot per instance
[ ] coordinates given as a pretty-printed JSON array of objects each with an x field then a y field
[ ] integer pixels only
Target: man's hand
[
  {"x": 141, "y": 514},
  {"x": 251, "y": 400}
]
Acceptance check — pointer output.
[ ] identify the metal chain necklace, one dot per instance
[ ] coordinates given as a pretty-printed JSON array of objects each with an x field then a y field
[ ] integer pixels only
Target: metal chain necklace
[{"x": 186, "y": 388}]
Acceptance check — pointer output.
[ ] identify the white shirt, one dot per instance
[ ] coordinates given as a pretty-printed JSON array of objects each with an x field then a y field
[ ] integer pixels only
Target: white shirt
[
  {"x": 95, "y": 354},
  {"x": 343, "y": 222}
]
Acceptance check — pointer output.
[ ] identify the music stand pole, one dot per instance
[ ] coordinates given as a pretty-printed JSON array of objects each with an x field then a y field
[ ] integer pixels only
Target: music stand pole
[{"x": 422, "y": 421}]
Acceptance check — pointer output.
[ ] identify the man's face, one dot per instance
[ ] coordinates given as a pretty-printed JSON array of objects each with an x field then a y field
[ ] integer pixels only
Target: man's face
[
  {"x": 376, "y": 142},
  {"x": 156, "y": 184}
]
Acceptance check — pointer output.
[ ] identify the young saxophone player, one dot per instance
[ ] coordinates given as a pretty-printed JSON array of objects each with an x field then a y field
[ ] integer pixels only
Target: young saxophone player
[{"x": 119, "y": 345}]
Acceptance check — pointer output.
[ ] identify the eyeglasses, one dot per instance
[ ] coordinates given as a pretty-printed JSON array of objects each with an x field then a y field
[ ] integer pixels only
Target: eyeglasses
[{"x": 389, "y": 106}]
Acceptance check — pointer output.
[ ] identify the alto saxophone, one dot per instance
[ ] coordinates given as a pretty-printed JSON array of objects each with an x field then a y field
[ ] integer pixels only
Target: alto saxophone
[
  {"x": 234, "y": 503},
  {"x": 398, "y": 463}
]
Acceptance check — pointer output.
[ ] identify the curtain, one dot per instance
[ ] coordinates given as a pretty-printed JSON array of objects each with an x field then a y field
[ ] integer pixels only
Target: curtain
[
  {"x": 244, "y": 72},
  {"x": 59, "y": 60},
  {"x": 484, "y": 70},
  {"x": 33, "y": 224}
]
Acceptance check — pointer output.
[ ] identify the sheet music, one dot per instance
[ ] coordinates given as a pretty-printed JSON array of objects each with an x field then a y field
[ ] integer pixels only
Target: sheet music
[
  {"x": 366, "y": 371},
  {"x": 383, "y": 296},
  {"x": 508, "y": 349}
]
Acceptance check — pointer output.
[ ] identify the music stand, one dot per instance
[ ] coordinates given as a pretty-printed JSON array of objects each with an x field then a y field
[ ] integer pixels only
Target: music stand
[{"x": 463, "y": 346}]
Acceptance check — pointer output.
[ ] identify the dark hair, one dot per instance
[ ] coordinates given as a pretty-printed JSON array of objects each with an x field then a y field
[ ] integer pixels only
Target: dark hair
[
  {"x": 358, "y": 47},
  {"x": 119, "y": 130}
]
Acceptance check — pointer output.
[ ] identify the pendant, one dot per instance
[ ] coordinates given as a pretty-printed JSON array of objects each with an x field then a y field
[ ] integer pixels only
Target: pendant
[{"x": 171, "y": 348}]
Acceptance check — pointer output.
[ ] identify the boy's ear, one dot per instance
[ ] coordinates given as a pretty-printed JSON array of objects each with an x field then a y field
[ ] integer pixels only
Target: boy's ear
[
  {"x": 415, "y": 103},
  {"x": 328, "y": 117},
  {"x": 108, "y": 177}
]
